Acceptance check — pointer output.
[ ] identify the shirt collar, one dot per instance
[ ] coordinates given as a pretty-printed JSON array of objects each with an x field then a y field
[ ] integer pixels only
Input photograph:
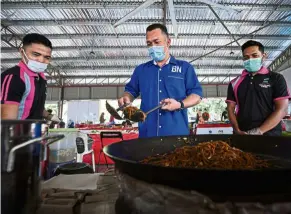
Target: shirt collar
[
  {"x": 30, "y": 73},
  {"x": 171, "y": 60},
  {"x": 263, "y": 71}
]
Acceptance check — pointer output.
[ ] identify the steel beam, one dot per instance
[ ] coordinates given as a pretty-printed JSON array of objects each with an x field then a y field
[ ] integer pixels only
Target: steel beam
[
  {"x": 101, "y": 22},
  {"x": 165, "y": 21},
  {"x": 135, "y": 48},
  {"x": 88, "y": 81},
  {"x": 223, "y": 24},
  {"x": 121, "y": 4},
  {"x": 131, "y": 68},
  {"x": 12, "y": 40},
  {"x": 142, "y": 6},
  {"x": 284, "y": 57},
  {"x": 173, "y": 17},
  {"x": 130, "y": 60},
  {"x": 90, "y": 77},
  {"x": 142, "y": 36},
  {"x": 241, "y": 37}
]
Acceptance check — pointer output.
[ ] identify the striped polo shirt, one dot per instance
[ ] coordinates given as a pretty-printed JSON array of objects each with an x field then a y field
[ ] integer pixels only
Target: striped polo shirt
[{"x": 25, "y": 88}]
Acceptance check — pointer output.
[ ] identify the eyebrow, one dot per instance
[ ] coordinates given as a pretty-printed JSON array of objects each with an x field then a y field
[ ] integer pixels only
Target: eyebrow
[
  {"x": 250, "y": 54},
  {"x": 46, "y": 56}
]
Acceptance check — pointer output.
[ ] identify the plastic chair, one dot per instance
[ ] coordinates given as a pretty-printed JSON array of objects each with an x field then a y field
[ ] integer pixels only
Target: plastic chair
[
  {"x": 83, "y": 149},
  {"x": 104, "y": 135}
]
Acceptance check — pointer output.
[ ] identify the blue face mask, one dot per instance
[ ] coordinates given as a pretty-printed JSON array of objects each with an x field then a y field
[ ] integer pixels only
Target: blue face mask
[
  {"x": 157, "y": 53},
  {"x": 253, "y": 65},
  {"x": 35, "y": 66}
]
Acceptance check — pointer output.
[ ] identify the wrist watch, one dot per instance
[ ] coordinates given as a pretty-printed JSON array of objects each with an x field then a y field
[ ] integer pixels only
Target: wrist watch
[{"x": 182, "y": 104}]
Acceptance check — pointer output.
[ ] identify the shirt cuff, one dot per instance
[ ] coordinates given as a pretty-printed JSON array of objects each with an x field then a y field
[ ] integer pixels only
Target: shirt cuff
[
  {"x": 132, "y": 94},
  {"x": 195, "y": 92},
  {"x": 9, "y": 102},
  {"x": 230, "y": 101},
  {"x": 282, "y": 98}
]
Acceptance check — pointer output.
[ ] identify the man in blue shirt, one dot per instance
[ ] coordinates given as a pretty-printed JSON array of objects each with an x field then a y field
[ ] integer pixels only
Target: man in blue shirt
[{"x": 163, "y": 80}]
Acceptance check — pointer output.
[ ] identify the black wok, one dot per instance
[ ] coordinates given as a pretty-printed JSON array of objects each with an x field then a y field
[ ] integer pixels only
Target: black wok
[{"x": 274, "y": 180}]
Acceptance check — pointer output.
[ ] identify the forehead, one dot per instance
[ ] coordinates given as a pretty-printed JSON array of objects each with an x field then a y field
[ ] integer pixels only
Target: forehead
[
  {"x": 39, "y": 48},
  {"x": 251, "y": 50},
  {"x": 154, "y": 34}
]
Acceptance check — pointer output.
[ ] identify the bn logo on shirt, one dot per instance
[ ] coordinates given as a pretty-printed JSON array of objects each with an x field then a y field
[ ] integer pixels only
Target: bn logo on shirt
[{"x": 177, "y": 69}]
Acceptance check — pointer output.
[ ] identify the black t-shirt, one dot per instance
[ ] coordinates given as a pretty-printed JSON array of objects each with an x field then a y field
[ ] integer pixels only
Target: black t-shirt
[
  {"x": 26, "y": 89},
  {"x": 256, "y": 96}
]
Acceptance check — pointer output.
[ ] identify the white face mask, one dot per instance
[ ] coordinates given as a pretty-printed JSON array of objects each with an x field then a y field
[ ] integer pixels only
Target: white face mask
[{"x": 35, "y": 66}]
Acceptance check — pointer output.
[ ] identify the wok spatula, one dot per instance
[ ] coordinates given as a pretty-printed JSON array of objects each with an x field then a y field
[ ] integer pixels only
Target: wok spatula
[{"x": 114, "y": 112}]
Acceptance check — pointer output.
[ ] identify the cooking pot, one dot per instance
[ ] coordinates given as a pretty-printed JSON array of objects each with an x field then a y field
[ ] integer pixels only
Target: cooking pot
[{"x": 21, "y": 154}]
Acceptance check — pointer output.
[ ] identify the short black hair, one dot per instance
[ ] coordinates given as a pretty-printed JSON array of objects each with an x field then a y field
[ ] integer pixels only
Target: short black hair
[
  {"x": 50, "y": 111},
  {"x": 35, "y": 38},
  {"x": 158, "y": 26},
  {"x": 252, "y": 43}
]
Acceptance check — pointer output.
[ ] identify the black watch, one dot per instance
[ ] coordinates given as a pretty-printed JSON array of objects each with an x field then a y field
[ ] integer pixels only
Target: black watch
[{"x": 182, "y": 104}]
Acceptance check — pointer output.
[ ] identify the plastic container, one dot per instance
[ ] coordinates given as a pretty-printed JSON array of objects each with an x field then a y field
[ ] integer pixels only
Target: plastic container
[
  {"x": 52, "y": 167},
  {"x": 65, "y": 150},
  {"x": 74, "y": 168}
]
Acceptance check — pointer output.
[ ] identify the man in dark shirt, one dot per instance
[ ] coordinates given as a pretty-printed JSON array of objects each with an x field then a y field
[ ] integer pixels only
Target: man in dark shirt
[
  {"x": 23, "y": 87},
  {"x": 257, "y": 100}
]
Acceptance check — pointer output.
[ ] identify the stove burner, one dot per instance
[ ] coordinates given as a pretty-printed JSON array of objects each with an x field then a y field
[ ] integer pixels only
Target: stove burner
[{"x": 139, "y": 197}]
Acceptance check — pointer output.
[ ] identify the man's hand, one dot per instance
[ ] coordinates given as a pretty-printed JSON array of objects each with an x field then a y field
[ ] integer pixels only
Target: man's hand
[
  {"x": 170, "y": 104},
  {"x": 55, "y": 119},
  {"x": 125, "y": 99},
  {"x": 239, "y": 132},
  {"x": 255, "y": 131}
]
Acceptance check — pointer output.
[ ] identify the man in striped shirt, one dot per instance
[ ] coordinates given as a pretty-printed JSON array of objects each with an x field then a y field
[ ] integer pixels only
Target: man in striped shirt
[{"x": 23, "y": 87}]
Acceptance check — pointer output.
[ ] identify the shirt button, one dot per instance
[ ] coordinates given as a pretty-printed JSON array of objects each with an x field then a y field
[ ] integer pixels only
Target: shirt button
[
  {"x": 160, "y": 126},
  {"x": 160, "y": 114},
  {"x": 252, "y": 77},
  {"x": 160, "y": 91},
  {"x": 160, "y": 80},
  {"x": 251, "y": 83},
  {"x": 160, "y": 69}
]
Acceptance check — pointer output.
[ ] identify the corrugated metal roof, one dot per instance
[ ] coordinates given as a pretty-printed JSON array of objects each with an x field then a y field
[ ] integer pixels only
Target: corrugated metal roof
[{"x": 86, "y": 26}]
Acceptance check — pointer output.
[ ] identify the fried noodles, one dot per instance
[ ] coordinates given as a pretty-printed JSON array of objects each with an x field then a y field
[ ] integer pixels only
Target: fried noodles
[
  {"x": 134, "y": 114},
  {"x": 208, "y": 155}
]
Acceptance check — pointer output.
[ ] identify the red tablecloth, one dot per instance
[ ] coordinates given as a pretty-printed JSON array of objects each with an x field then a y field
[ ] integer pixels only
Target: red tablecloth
[
  {"x": 97, "y": 146},
  {"x": 211, "y": 125},
  {"x": 102, "y": 127}
]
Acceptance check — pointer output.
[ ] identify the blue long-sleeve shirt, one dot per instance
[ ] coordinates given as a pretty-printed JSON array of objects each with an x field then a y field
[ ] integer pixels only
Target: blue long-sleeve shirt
[{"x": 177, "y": 80}]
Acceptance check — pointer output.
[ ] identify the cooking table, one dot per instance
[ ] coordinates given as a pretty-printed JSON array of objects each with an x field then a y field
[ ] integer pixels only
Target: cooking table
[{"x": 128, "y": 134}]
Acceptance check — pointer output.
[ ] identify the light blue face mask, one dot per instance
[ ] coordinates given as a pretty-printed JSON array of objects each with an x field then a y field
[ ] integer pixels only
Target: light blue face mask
[
  {"x": 35, "y": 66},
  {"x": 157, "y": 53},
  {"x": 253, "y": 65}
]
